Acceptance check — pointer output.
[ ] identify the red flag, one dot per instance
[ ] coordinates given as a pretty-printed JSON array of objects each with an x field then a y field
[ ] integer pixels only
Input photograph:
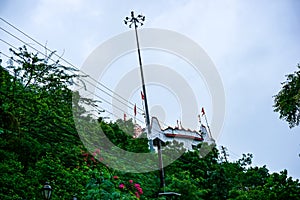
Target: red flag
[
  {"x": 124, "y": 116},
  {"x": 142, "y": 95},
  {"x": 203, "y": 112},
  {"x": 134, "y": 109}
]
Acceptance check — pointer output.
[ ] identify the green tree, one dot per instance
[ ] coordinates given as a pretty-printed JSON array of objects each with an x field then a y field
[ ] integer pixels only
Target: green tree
[
  {"x": 287, "y": 101},
  {"x": 39, "y": 142},
  {"x": 38, "y": 139}
]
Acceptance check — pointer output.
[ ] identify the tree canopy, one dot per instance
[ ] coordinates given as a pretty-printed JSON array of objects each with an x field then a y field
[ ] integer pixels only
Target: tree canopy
[
  {"x": 39, "y": 143},
  {"x": 287, "y": 101}
]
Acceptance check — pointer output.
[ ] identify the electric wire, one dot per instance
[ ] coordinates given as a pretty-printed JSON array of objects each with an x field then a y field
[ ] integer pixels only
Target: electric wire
[
  {"x": 22, "y": 32},
  {"x": 54, "y": 61},
  {"x": 188, "y": 162},
  {"x": 12, "y": 35},
  {"x": 8, "y": 44},
  {"x": 72, "y": 65},
  {"x": 31, "y": 38},
  {"x": 99, "y": 98},
  {"x": 69, "y": 64},
  {"x": 62, "y": 128},
  {"x": 141, "y": 121}
]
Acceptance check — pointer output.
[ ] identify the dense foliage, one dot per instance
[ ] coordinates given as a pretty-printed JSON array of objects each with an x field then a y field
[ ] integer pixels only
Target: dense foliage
[
  {"x": 287, "y": 101},
  {"x": 39, "y": 143}
]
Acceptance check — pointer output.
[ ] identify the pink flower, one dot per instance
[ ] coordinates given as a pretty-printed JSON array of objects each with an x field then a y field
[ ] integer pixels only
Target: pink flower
[
  {"x": 140, "y": 190},
  {"x": 115, "y": 177},
  {"x": 137, "y": 195},
  {"x": 121, "y": 186},
  {"x": 130, "y": 181}
]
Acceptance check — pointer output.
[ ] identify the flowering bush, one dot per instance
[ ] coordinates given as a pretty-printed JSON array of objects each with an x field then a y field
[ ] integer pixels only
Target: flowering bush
[
  {"x": 92, "y": 159},
  {"x": 130, "y": 187}
]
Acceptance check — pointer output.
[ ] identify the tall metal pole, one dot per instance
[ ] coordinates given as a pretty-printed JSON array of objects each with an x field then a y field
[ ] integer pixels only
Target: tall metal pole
[
  {"x": 161, "y": 166},
  {"x": 135, "y": 21}
]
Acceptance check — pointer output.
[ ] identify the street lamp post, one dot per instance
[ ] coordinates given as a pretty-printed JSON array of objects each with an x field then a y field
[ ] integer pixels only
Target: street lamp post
[
  {"x": 136, "y": 21},
  {"x": 46, "y": 191},
  {"x": 139, "y": 21}
]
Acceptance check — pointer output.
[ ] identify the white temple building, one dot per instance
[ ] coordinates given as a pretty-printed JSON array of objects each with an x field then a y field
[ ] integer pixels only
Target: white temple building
[{"x": 189, "y": 138}]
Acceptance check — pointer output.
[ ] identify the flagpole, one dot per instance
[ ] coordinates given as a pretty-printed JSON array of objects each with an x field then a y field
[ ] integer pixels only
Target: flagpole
[
  {"x": 142, "y": 96},
  {"x": 134, "y": 110},
  {"x": 208, "y": 126},
  {"x": 203, "y": 113}
]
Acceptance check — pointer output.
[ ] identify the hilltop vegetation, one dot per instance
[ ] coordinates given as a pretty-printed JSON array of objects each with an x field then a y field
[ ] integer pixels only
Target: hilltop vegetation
[{"x": 39, "y": 143}]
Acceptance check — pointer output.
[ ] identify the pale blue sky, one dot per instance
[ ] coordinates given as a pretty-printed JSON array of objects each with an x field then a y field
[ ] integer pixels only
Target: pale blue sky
[{"x": 252, "y": 43}]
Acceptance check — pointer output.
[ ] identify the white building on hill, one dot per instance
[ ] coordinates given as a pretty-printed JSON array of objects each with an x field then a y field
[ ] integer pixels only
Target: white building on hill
[{"x": 189, "y": 138}]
